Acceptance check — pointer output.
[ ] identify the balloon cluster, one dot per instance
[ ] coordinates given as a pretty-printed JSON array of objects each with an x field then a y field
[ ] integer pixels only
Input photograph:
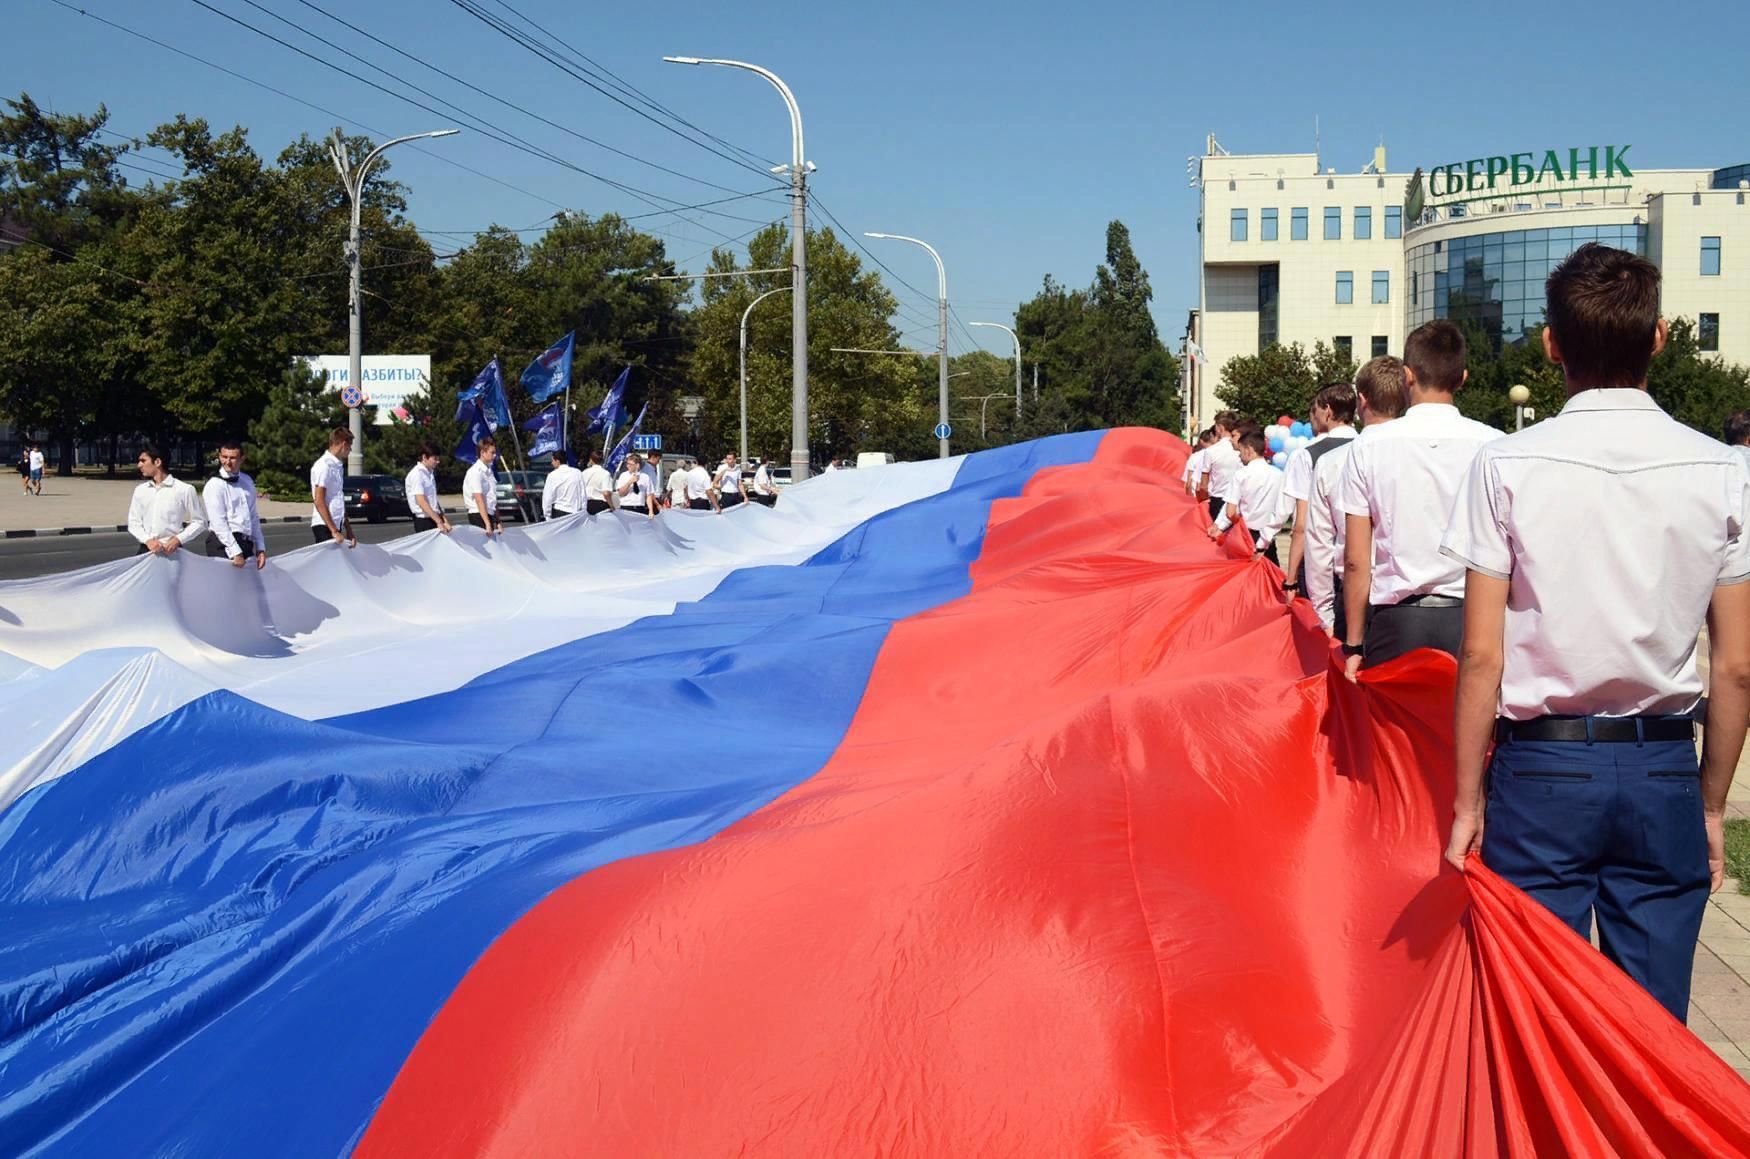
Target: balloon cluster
[{"x": 1284, "y": 437}]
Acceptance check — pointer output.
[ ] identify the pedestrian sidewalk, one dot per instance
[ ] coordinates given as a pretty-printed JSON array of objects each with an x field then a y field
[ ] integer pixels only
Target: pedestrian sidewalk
[
  {"x": 82, "y": 501},
  {"x": 1719, "y": 1002}
]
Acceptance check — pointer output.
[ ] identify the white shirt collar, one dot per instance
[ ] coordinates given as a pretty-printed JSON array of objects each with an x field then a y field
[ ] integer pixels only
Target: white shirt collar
[{"x": 1611, "y": 398}]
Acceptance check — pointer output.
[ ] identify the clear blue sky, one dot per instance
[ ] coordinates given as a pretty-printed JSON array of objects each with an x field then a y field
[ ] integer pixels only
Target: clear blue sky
[{"x": 1008, "y": 135}]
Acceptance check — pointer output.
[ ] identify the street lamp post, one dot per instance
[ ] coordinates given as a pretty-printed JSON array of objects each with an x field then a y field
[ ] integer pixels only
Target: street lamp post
[
  {"x": 744, "y": 314},
  {"x": 799, "y": 170},
  {"x": 1519, "y": 395},
  {"x": 1017, "y": 340},
  {"x": 353, "y": 180},
  {"x": 941, "y": 333}
]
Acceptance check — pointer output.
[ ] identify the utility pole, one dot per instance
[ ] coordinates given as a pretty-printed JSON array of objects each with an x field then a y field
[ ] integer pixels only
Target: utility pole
[
  {"x": 941, "y": 333},
  {"x": 353, "y": 181},
  {"x": 1017, "y": 340},
  {"x": 799, "y": 169},
  {"x": 744, "y": 314}
]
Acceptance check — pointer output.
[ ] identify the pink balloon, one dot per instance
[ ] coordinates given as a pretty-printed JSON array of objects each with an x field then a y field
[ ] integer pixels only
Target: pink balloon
[{"x": 1285, "y": 420}]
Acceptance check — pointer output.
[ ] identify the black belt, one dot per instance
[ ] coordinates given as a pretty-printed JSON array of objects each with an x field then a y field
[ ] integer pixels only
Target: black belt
[
  {"x": 1428, "y": 601},
  {"x": 1598, "y": 729}
]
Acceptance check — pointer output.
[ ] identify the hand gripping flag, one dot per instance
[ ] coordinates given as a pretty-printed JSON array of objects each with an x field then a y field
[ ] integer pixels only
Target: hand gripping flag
[
  {"x": 471, "y": 413},
  {"x": 550, "y": 374},
  {"x": 624, "y": 446},
  {"x": 488, "y": 389},
  {"x": 612, "y": 412},
  {"x": 546, "y": 425}
]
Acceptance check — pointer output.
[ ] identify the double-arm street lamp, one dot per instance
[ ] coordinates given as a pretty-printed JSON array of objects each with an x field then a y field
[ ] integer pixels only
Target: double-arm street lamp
[
  {"x": 353, "y": 180},
  {"x": 744, "y": 314},
  {"x": 941, "y": 333},
  {"x": 799, "y": 169}
]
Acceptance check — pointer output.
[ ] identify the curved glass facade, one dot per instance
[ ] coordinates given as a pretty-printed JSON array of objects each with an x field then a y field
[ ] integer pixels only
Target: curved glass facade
[
  {"x": 1729, "y": 177},
  {"x": 1495, "y": 280}
]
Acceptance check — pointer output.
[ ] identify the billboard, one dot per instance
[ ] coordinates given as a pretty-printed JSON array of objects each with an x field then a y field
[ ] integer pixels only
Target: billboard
[{"x": 388, "y": 378}]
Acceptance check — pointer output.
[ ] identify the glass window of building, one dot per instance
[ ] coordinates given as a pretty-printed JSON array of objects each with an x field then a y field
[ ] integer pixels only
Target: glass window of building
[
  {"x": 1333, "y": 223},
  {"x": 1394, "y": 221},
  {"x": 1707, "y": 332},
  {"x": 1237, "y": 227},
  {"x": 1297, "y": 224},
  {"x": 1269, "y": 292},
  {"x": 1344, "y": 347},
  {"x": 1363, "y": 222},
  {"x": 1266, "y": 225},
  {"x": 1345, "y": 287},
  {"x": 1379, "y": 344},
  {"x": 1710, "y": 257},
  {"x": 1381, "y": 287}
]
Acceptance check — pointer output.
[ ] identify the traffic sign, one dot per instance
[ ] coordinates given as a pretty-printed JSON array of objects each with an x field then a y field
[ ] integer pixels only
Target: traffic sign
[
  {"x": 352, "y": 396},
  {"x": 944, "y": 431},
  {"x": 647, "y": 442}
]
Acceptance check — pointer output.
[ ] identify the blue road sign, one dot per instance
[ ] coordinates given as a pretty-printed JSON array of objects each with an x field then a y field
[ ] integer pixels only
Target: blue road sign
[
  {"x": 647, "y": 442},
  {"x": 944, "y": 431}
]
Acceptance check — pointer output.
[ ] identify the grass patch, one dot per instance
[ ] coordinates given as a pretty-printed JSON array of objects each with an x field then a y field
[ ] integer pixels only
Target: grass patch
[{"x": 1738, "y": 851}]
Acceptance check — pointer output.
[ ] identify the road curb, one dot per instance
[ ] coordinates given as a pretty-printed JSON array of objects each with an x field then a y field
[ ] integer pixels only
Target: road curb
[{"x": 106, "y": 528}]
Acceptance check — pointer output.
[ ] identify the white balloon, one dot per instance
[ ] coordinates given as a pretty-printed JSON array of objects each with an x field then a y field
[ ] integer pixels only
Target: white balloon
[{"x": 1279, "y": 459}]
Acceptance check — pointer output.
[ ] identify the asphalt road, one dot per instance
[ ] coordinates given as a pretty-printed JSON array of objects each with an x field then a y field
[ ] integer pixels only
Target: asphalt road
[{"x": 46, "y": 555}]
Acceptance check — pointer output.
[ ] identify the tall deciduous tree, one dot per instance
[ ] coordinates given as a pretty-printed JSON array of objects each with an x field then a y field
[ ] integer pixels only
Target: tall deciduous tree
[{"x": 1281, "y": 380}]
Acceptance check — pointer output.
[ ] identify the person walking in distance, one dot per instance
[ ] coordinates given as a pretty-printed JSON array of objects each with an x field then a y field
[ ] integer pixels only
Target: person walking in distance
[
  {"x": 1333, "y": 416},
  {"x": 1380, "y": 396},
  {"x": 731, "y": 490},
  {"x": 598, "y": 486},
  {"x": 164, "y": 513},
  {"x": 233, "y": 521},
  {"x": 632, "y": 489},
  {"x": 480, "y": 488},
  {"x": 36, "y": 468},
  {"x": 1397, "y": 492},
  {"x": 422, "y": 494},
  {"x": 700, "y": 496},
  {"x": 1257, "y": 496},
  {"x": 677, "y": 484},
  {"x": 1595, "y": 545},
  {"x": 1221, "y": 460},
  {"x": 764, "y": 493},
  {"x": 328, "y": 491},
  {"x": 562, "y": 494}
]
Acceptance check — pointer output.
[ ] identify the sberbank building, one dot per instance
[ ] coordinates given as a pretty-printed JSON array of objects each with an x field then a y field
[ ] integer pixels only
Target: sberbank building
[{"x": 1292, "y": 250}]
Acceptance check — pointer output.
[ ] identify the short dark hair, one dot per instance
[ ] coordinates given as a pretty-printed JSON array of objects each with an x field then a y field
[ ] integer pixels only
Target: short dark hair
[
  {"x": 1248, "y": 427},
  {"x": 1206, "y": 435},
  {"x": 558, "y": 455},
  {"x": 427, "y": 450},
  {"x": 339, "y": 435},
  {"x": 1254, "y": 438},
  {"x": 1436, "y": 355},
  {"x": 1225, "y": 420},
  {"x": 1339, "y": 399},
  {"x": 595, "y": 457},
  {"x": 1738, "y": 428},
  {"x": 1381, "y": 382},
  {"x": 232, "y": 444},
  {"x": 1603, "y": 306},
  {"x": 150, "y": 450}
]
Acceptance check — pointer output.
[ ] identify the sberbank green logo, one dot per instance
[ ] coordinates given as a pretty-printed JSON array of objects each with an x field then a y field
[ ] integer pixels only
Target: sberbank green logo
[{"x": 1488, "y": 175}]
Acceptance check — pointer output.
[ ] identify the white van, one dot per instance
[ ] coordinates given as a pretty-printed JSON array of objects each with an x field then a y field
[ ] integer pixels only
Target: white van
[{"x": 873, "y": 459}]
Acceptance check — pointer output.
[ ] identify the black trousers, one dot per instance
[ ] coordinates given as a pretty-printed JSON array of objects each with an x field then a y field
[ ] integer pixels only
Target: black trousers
[
  {"x": 764, "y": 500},
  {"x": 319, "y": 532},
  {"x": 1267, "y": 546},
  {"x": 421, "y": 523},
  {"x": 1394, "y": 629},
  {"x": 699, "y": 504},
  {"x": 733, "y": 499},
  {"x": 217, "y": 549},
  {"x": 481, "y": 523},
  {"x": 1339, "y": 614},
  {"x": 1214, "y": 507},
  {"x": 597, "y": 506}
]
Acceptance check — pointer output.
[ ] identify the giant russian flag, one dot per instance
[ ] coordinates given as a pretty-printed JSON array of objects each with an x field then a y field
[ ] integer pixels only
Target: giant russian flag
[{"x": 979, "y": 807}]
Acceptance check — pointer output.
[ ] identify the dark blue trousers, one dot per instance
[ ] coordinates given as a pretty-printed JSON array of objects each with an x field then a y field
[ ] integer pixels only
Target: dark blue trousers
[{"x": 1614, "y": 829}]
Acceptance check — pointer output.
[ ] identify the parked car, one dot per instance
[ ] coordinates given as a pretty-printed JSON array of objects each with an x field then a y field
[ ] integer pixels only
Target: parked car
[
  {"x": 375, "y": 498},
  {"x": 519, "y": 495},
  {"x": 780, "y": 476},
  {"x": 873, "y": 458}
]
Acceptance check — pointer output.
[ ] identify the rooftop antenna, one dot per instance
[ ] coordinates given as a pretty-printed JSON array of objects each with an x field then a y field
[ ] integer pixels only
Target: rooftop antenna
[{"x": 1317, "y": 152}]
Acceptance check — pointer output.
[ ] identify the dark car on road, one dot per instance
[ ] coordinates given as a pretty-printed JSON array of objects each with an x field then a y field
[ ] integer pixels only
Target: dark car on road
[
  {"x": 375, "y": 498},
  {"x": 519, "y": 495}
]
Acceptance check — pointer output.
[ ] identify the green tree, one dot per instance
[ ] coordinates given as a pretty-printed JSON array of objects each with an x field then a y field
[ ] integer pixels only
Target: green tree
[
  {"x": 1693, "y": 387},
  {"x": 1281, "y": 380},
  {"x": 292, "y": 432}
]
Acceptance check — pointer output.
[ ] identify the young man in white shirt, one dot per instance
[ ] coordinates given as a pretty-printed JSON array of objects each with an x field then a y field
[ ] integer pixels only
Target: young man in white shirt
[
  {"x": 1397, "y": 494},
  {"x": 1257, "y": 497},
  {"x": 164, "y": 513},
  {"x": 562, "y": 493},
  {"x": 37, "y": 463},
  {"x": 598, "y": 486},
  {"x": 233, "y": 521},
  {"x": 1333, "y": 418},
  {"x": 632, "y": 488},
  {"x": 1196, "y": 462},
  {"x": 422, "y": 493},
  {"x": 480, "y": 488},
  {"x": 328, "y": 491},
  {"x": 1737, "y": 434},
  {"x": 1222, "y": 460},
  {"x": 700, "y": 497},
  {"x": 677, "y": 484},
  {"x": 764, "y": 493},
  {"x": 731, "y": 491},
  {"x": 1380, "y": 396},
  {"x": 1596, "y": 544}
]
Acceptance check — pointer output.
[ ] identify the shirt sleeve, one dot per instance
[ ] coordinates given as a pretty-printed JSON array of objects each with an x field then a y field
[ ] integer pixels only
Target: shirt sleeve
[
  {"x": 1735, "y": 568},
  {"x": 1297, "y": 476},
  {"x": 1321, "y": 557},
  {"x": 1352, "y": 496},
  {"x": 137, "y": 515},
  {"x": 215, "y": 505},
  {"x": 195, "y": 519},
  {"x": 1476, "y": 536},
  {"x": 549, "y": 492},
  {"x": 1270, "y": 509},
  {"x": 254, "y": 515}
]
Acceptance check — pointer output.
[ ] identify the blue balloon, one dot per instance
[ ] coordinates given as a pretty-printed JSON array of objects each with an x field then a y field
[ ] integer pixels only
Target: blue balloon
[
  {"x": 1302, "y": 430},
  {"x": 1277, "y": 442}
]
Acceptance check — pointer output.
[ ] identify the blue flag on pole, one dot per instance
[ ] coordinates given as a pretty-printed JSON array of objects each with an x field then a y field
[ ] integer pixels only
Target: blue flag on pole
[
  {"x": 612, "y": 412},
  {"x": 474, "y": 416},
  {"x": 488, "y": 389},
  {"x": 624, "y": 446},
  {"x": 546, "y": 426},
  {"x": 550, "y": 374}
]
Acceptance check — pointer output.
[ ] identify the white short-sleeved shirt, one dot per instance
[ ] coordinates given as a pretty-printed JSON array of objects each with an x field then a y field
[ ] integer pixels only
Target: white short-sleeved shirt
[
  {"x": 480, "y": 480},
  {"x": 420, "y": 481},
  {"x": 1297, "y": 472},
  {"x": 1743, "y": 453},
  {"x": 1257, "y": 491},
  {"x": 330, "y": 473},
  {"x": 729, "y": 480},
  {"x": 637, "y": 487},
  {"x": 36, "y": 460},
  {"x": 698, "y": 483},
  {"x": 677, "y": 485},
  {"x": 1612, "y": 523},
  {"x": 1404, "y": 476},
  {"x": 1324, "y": 532},
  {"x": 1194, "y": 466},
  {"x": 762, "y": 481},
  {"x": 1221, "y": 463},
  {"x": 597, "y": 484},
  {"x": 562, "y": 491}
]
